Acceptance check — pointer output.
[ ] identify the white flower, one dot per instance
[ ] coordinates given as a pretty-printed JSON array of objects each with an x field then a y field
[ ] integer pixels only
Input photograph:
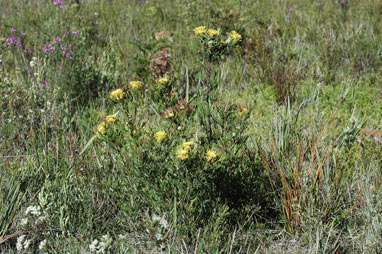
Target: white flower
[
  {"x": 34, "y": 58},
  {"x": 24, "y": 222},
  {"x": 34, "y": 210},
  {"x": 120, "y": 236},
  {"x": 42, "y": 245},
  {"x": 101, "y": 247},
  {"x": 93, "y": 245},
  {"x": 32, "y": 63},
  {"x": 20, "y": 241},
  {"x": 156, "y": 218},
  {"x": 35, "y": 74},
  {"x": 27, "y": 243},
  {"x": 162, "y": 221},
  {"x": 41, "y": 219},
  {"x": 158, "y": 237}
]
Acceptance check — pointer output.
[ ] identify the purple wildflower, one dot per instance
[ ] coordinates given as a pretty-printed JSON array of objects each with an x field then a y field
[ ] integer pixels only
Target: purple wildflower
[
  {"x": 66, "y": 32},
  {"x": 27, "y": 68},
  {"x": 11, "y": 40},
  {"x": 69, "y": 54},
  {"x": 63, "y": 48},
  {"x": 59, "y": 3},
  {"x": 58, "y": 39},
  {"x": 375, "y": 139},
  {"x": 318, "y": 4},
  {"x": 13, "y": 30},
  {"x": 48, "y": 48},
  {"x": 45, "y": 84},
  {"x": 18, "y": 44},
  {"x": 26, "y": 50},
  {"x": 22, "y": 33},
  {"x": 75, "y": 32}
]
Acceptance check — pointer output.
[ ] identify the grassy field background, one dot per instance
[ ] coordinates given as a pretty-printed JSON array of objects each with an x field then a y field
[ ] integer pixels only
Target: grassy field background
[{"x": 259, "y": 136}]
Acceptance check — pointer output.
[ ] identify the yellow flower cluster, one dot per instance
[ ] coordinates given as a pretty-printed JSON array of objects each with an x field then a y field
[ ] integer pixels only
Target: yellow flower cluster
[
  {"x": 182, "y": 154},
  {"x": 212, "y": 32},
  {"x": 168, "y": 114},
  {"x": 234, "y": 36},
  {"x": 159, "y": 136},
  {"x": 211, "y": 156},
  {"x": 200, "y": 30},
  {"x": 101, "y": 128},
  {"x": 162, "y": 81},
  {"x": 111, "y": 118},
  {"x": 135, "y": 85},
  {"x": 188, "y": 145},
  {"x": 117, "y": 95}
]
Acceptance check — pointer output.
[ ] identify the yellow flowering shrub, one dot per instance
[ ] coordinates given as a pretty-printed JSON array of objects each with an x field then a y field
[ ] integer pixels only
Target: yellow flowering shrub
[
  {"x": 182, "y": 154},
  {"x": 188, "y": 145},
  {"x": 234, "y": 36},
  {"x": 163, "y": 80},
  {"x": 117, "y": 95},
  {"x": 211, "y": 156},
  {"x": 200, "y": 30},
  {"x": 136, "y": 85},
  {"x": 111, "y": 118},
  {"x": 159, "y": 136},
  {"x": 101, "y": 129},
  {"x": 212, "y": 32}
]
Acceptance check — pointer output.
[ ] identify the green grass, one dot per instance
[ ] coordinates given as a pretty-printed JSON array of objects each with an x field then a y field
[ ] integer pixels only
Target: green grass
[{"x": 283, "y": 109}]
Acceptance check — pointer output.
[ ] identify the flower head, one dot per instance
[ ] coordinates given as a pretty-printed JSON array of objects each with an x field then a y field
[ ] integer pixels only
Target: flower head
[
  {"x": 20, "y": 242},
  {"x": 188, "y": 145},
  {"x": 101, "y": 129},
  {"x": 135, "y": 85},
  {"x": 111, "y": 118},
  {"x": 34, "y": 210},
  {"x": 211, "y": 156},
  {"x": 234, "y": 36},
  {"x": 182, "y": 154},
  {"x": 168, "y": 113},
  {"x": 45, "y": 84},
  {"x": 163, "y": 80},
  {"x": 159, "y": 136},
  {"x": 200, "y": 30},
  {"x": 212, "y": 32},
  {"x": 117, "y": 95},
  {"x": 59, "y": 3},
  {"x": 42, "y": 245}
]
